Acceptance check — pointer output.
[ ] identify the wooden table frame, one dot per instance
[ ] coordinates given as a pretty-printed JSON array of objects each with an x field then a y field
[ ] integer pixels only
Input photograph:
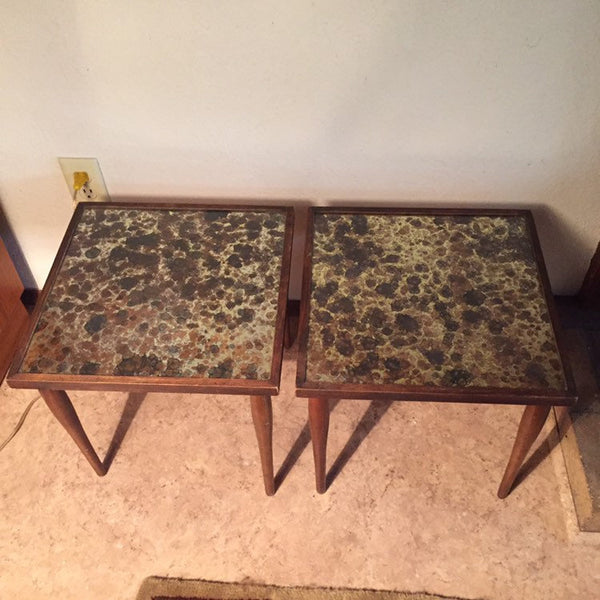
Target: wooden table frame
[
  {"x": 537, "y": 402},
  {"x": 53, "y": 386}
]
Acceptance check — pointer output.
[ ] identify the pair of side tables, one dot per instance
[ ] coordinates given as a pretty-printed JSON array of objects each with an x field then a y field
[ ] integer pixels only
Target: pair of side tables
[{"x": 397, "y": 304}]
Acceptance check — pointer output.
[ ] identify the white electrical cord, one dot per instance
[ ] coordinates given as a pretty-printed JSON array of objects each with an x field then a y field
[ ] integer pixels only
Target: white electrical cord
[{"x": 19, "y": 424}]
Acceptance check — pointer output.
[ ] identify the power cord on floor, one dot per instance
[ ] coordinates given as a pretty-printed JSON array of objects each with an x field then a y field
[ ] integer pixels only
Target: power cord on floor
[{"x": 19, "y": 424}]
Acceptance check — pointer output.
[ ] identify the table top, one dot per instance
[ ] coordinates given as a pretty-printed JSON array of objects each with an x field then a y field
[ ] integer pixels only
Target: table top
[
  {"x": 428, "y": 305},
  {"x": 177, "y": 297}
]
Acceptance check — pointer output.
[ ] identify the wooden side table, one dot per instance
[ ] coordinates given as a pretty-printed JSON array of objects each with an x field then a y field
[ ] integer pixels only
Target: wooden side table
[
  {"x": 428, "y": 305},
  {"x": 163, "y": 298}
]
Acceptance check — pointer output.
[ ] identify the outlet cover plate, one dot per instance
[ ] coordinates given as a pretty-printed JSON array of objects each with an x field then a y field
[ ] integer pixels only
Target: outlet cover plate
[{"x": 95, "y": 190}]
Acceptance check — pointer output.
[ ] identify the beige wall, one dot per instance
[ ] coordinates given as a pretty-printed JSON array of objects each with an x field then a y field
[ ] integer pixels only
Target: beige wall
[{"x": 438, "y": 103}]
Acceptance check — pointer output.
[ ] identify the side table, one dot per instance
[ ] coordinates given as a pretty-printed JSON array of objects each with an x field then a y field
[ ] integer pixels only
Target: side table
[
  {"x": 429, "y": 305},
  {"x": 163, "y": 298}
]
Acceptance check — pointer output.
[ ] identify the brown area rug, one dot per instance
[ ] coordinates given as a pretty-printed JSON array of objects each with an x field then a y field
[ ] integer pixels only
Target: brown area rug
[{"x": 163, "y": 588}]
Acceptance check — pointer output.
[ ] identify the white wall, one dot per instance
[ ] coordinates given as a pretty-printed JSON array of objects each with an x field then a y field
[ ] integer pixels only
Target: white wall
[{"x": 482, "y": 103}]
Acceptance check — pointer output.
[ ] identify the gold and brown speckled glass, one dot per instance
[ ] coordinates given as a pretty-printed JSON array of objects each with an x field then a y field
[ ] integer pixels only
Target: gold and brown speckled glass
[
  {"x": 165, "y": 293},
  {"x": 443, "y": 300}
]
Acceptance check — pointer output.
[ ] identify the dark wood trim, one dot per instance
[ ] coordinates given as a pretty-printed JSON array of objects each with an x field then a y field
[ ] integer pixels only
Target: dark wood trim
[
  {"x": 550, "y": 304},
  {"x": 124, "y": 383},
  {"x": 520, "y": 396},
  {"x": 305, "y": 300},
  {"x": 193, "y": 206},
  {"x": 483, "y": 395},
  {"x": 284, "y": 285},
  {"x": 433, "y": 212},
  {"x": 589, "y": 293}
]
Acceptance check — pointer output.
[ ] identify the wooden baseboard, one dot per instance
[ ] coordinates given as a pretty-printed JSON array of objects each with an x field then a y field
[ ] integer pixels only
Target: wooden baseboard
[{"x": 29, "y": 297}]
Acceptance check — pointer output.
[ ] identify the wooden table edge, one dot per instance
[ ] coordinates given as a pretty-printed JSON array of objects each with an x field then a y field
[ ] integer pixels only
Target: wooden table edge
[
  {"x": 481, "y": 395},
  {"x": 118, "y": 383}
]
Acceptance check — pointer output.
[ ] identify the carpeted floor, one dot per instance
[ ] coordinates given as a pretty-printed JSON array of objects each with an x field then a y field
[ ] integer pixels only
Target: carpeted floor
[{"x": 411, "y": 505}]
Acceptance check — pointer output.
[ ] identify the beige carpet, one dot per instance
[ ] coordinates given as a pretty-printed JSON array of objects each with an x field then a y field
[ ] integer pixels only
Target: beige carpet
[
  {"x": 412, "y": 505},
  {"x": 162, "y": 588}
]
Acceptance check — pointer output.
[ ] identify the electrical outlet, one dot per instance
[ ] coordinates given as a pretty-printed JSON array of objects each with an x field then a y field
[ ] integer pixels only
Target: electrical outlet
[{"x": 95, "y": 188}]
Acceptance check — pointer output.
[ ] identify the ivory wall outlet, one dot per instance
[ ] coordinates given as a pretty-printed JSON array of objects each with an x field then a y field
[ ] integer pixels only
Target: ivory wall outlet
[{"x": 94, "y": 190}]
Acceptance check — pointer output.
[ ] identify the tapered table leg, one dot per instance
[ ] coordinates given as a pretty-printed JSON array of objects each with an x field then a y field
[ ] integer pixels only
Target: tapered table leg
[
  {"x": 318, "y": 419},
  {"x": 62, "y": 408},
  {"x": 291, "y": 324},
  {"x": 531, "y": 424},
  {"x": 262, "y": 415}
]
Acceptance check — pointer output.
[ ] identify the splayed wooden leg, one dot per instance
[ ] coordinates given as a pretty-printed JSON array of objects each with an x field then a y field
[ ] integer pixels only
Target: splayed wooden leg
[
  {"x": 531, "y": 424},
  {"x": 62, "y": 408},
  {"x": 318, "y": 419},
  {"x": 262, "y": 415}
]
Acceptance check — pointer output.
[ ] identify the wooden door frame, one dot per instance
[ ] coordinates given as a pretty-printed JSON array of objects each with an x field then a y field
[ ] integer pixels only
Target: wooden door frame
[{"x": 13, "y": 315}]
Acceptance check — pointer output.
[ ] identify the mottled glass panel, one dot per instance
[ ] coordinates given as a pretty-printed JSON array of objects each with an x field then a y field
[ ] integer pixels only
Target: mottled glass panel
[
  {"x": 429, "y": 300},
  {"x": 168, "y": 293}
]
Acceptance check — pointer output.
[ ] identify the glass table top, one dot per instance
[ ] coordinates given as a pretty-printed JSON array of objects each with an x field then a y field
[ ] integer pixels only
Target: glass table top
[
  {"x": 165, "y": 293},
  {"x": 425, "y": 300}
]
